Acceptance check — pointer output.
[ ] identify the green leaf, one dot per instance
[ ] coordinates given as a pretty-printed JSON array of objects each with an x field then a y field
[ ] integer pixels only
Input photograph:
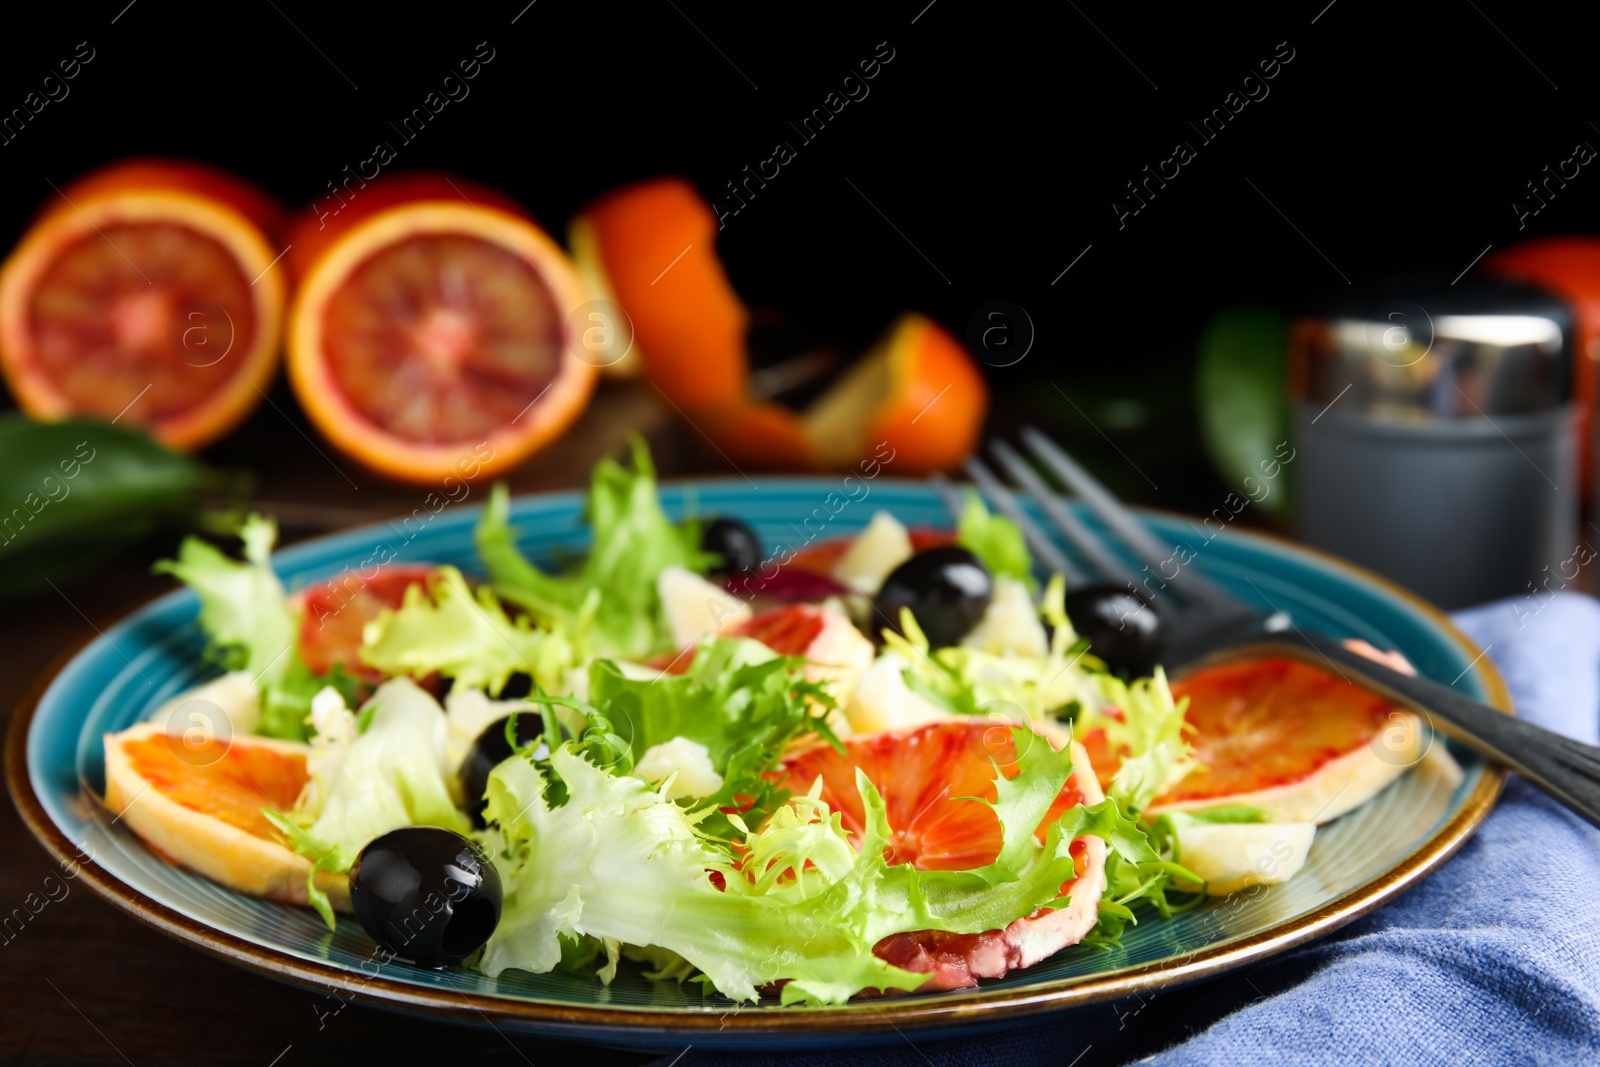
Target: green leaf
[
  {"x": 243, "y": 608},
  {"x": 1241, "y": 399},
  {"x": 467, "y": 636},
  {"x": 1149, "y": 733},
  {"x": 738, "y": 698},
  {"x": 970, "y": 681},
  {"x": 799, "y": 906},
  {"x": 614, "y": 593},
  {"x": 995, "y": 540},
  {"x": 366, "y": 783}
]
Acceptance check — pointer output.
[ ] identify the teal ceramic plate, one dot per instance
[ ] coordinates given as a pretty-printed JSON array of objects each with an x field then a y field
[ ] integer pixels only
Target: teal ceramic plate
[{"x": 54, "y": 765}]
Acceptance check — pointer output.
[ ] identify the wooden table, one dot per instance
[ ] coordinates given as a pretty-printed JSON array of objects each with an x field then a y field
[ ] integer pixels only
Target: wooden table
[{"x": 83, "y": 983}]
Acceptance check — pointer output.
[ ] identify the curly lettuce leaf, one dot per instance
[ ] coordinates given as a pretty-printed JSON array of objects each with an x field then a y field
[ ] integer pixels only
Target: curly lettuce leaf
[
  {"x": 467, "y": 636},
  {"x": 619, "y": 863},
  {"x": 738, "y": 698},
  {"x": 243, "y": 607},
  {"x": 970, "y": 681},
  {"x": 995, "y": 540},
  {"x": 365, "y": 783},
  {"x": 1149, "y": 733},
  {"x": 633, "y": 542},
  {"x": 246, "y": 615}
]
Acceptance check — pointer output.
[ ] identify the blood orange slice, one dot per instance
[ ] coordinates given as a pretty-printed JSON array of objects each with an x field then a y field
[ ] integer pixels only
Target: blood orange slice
[
  {"x": 1292, "y": 739},
  {"x": 428, "y": 337},
  {"x": 197, "y": 802},
  {"x": 835, "y": 651},
  {"x": 923, "y": 775},
  {"x": 146, "y": 292},
  {"x": 335, "y": 613}
]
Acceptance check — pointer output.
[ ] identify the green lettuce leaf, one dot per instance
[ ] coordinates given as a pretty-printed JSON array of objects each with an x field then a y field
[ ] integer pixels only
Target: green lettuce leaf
[
  {"x": 738, "y": 698},
  {"x": 995, "y": 540},
  {"x": 365, "y": 783},
  {"x": 243, "y": 607},
  {"x": 245, "y": 613},
  {"x": 467, "y": 636},
  {"x": 619, "y": 863},
  {"x": 614, "y": 592},
  {"x": 971, "y": 681},
  {"x": 1149, "y": 733}
]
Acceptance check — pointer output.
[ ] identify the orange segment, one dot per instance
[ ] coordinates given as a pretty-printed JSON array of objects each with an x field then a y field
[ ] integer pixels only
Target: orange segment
[
  {"x": 228, "y": 782},
  {"x": 651, "y": 247},
  {"x": 922, "y": 775},
  {"x": 336, "y": 613},
  {"x": 197, "y": 802},
  {"x": 145, "y": 291},
  {"x": 1260, "y": 724},
  {"x": 429, "y": 336}
]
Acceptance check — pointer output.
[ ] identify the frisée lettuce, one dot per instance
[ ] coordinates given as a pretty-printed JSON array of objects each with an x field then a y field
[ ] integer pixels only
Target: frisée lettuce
[
  {"x": 365, "y": 783},
  {"x": 613, "y": 594},
  {"x": 466, "y": 635},
  {"x": 617, "y": 862},
  {"x": 251, "y": 628}
]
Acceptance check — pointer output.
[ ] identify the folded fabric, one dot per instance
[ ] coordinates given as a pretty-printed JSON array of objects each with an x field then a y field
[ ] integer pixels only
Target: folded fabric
[{"x": 1492, "y": 960}]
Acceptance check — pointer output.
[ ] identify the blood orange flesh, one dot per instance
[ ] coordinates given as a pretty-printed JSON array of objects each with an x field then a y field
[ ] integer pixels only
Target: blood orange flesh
[
  {"x": 924, "y": 776},
  {"x": 147, "y": 308},
  {"x": 337, "y": 611},
  {"x": 443, "y": 337},
  {"x": 231, "y": 782},
  {"x": 1262, "y": 723},
  {"x": 146, "y": 292}
]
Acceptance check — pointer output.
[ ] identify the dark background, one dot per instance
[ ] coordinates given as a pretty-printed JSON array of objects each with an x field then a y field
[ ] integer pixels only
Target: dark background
[
  {"x": 994, "y": 142},
  {"x": 982, "y": 163}
]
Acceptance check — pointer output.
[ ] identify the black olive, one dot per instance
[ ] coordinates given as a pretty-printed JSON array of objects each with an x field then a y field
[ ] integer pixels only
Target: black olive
[
  {"x": 737, "y": 544},
  {"x": 1123, "y": 627},
  {"x": 946, "y": 588},
  {"x": 489, "y": 751},
  {"x": 519, "y": 685},
  {"x": 426, "y": 894}
]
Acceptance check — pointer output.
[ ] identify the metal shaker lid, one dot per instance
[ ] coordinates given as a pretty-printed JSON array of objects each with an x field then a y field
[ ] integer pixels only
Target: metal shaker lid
[{"x": 1414, "y": 352}]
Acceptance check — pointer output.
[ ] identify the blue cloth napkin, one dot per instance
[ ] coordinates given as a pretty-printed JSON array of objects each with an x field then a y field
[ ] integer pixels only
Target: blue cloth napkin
[{"x": 1494, "y": 959}]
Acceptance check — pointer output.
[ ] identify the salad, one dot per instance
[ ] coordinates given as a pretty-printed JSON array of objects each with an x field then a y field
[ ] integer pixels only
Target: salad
[{"x": 886, "y": 763}]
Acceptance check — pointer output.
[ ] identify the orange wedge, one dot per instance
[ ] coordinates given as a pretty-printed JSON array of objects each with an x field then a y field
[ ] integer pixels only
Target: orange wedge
[
  {"x": 146, "y": 293},
  {"x": 428, "y": 337},
  {"x": 197, "y": 802},
  {"x": 1298, "y": 742}
]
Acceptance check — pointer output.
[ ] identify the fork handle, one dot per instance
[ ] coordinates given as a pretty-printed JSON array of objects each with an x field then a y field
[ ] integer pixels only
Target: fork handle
[{"x": 1566, "y": 769}]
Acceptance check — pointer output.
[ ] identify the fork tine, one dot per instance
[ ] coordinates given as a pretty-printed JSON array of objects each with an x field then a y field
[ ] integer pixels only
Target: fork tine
[
  {"x": 1088, "y": 545},
  {"x": 1038, "y": 541},
  {"x": 948, "y": 494},
  {"x": 1124, "y": 524}
]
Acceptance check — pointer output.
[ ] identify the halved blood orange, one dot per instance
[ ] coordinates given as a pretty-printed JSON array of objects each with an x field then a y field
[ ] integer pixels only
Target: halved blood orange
[
  {"x": 335, "y": 613},
  {"x": 198, "y": 802},
  {"x": 650, "y": 247},
  {"x": 1290, "y": 738},
  {"x": 925, "y": 776},
  {"x": 428, "y": 336},
  {"x": 146, "y": 292}
]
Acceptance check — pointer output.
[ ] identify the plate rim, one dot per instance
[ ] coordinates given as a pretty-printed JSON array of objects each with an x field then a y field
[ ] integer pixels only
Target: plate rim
[{"x": 983, "y": 1006}]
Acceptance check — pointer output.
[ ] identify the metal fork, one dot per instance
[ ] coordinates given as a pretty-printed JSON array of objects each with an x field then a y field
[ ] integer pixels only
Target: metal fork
[{"x": 1201, "y": 618}]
